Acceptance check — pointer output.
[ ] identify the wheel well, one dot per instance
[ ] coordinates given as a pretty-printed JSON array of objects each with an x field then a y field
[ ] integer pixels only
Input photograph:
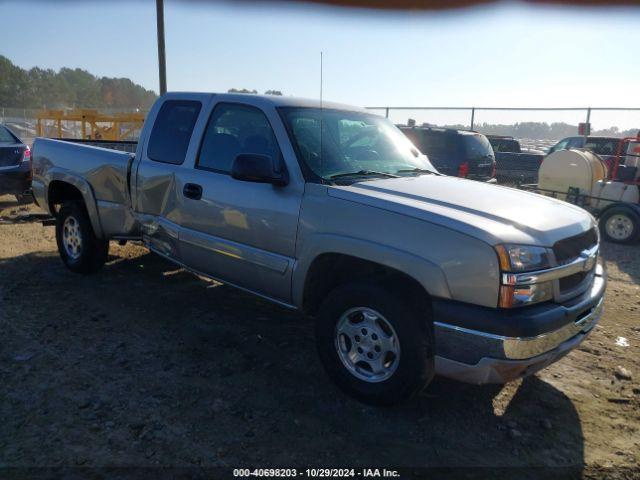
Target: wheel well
[
  {"x": 60, "y": 192},
  {"x": 330, "y": 270}
]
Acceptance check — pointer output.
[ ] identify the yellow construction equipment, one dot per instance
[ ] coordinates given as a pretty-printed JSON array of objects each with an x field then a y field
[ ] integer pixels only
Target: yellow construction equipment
[{"x": 89, "y": 124}]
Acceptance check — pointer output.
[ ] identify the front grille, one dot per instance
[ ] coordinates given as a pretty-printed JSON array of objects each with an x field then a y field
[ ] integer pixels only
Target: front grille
[
  {"x": 10, "y": 156},
  {"x": 570, "y": 248}
]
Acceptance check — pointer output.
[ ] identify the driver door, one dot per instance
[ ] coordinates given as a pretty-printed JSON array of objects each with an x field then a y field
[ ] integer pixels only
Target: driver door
[{"x": 240, "y": 232}]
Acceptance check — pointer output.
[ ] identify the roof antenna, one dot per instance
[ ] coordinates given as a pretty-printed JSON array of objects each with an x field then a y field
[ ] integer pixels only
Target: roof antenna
[
  {"x": 321, "y": 111},
  {"x": 321, "y": 80}
]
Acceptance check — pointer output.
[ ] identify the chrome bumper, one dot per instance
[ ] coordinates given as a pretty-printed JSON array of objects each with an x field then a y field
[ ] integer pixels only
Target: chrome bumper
[
  {"x": 479, "y": 357},
  {"x": 493, "y": 370}
]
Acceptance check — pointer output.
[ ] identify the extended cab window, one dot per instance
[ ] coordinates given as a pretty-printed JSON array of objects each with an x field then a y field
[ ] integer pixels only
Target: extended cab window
[
  {"x": 234, "y": 129},
  {"x": 172, "y": 130}
]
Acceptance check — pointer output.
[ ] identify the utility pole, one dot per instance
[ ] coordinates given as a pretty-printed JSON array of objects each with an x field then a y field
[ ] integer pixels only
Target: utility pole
[{"x": 162, "y": 63}]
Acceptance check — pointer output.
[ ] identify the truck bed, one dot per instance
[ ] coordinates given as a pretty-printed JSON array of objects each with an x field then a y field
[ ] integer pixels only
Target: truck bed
[{"x": 107, "y": 172}]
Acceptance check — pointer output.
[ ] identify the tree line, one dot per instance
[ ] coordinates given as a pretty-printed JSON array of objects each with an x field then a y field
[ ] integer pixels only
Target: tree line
[
  {"x": 46, "y": 88},
  {"x": 254, "y": 91}
]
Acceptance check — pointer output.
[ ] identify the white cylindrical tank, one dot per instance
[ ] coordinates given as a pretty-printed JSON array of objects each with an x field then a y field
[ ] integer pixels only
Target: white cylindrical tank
[{"x": 564, "y": 169}]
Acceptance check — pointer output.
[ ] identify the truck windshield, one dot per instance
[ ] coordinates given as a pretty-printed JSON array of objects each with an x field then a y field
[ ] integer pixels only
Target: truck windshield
[{"x": 336, "y": 143}]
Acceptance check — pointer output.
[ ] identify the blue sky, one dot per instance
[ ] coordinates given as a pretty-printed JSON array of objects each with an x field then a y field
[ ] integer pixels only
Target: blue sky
[{"x": 504, "y": 55}]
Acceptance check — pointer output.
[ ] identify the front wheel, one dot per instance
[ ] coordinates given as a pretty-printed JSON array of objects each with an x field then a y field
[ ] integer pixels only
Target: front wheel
[
  {"x": 373, "y": 344},
  {"x": 620, "y": 225},
  {"x": 79, "y": 248}
]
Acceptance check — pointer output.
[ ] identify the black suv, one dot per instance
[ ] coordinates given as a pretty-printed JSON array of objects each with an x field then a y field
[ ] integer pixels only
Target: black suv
[{"x": 459, "y": 153}]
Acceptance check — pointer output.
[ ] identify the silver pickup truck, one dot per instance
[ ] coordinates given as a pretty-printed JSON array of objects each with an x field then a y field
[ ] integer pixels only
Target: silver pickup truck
[{"x": 331, "y": 210}]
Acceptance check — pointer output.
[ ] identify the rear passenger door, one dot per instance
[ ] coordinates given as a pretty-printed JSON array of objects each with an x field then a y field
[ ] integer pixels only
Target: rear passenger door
[
  {"x": 157, "y": 195},
  {"x": 241, "y": 232}
]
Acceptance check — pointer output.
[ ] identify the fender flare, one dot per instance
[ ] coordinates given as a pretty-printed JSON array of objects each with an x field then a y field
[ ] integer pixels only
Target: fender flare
[
  {"x": 426, "y": 273},
  {"x": 55, "y": 174}
]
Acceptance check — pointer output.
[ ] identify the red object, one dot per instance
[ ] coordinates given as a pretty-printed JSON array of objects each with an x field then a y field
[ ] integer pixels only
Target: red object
[
  {"x": 27, "y": 156},
  {"x": 584, "y": 129},
  {"x": 613, "y": 169},
  {"x": 463, "y": 170},
  {"x": 494, "y": 171}
]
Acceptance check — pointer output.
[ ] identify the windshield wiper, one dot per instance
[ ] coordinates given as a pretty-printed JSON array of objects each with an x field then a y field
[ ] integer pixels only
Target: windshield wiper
[
  {"x": 416, "y": 170},
  {"x": 363, "y": 173}
]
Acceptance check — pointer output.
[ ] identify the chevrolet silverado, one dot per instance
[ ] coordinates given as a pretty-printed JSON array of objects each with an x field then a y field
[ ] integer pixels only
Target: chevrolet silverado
[{"x": 331, "y": 210}]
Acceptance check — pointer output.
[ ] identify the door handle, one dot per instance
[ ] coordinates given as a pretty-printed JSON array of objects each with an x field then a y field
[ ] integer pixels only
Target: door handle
[{"x": 192, "y": 190}]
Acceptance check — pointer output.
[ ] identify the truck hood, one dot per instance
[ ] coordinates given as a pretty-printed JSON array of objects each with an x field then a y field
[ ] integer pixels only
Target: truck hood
[{"x": 491, "y": 213}]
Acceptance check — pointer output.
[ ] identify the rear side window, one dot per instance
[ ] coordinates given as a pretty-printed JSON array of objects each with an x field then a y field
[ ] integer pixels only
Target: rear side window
[
  {"x": 172, "y": 131},
  {"x": 234, "y": 129},
  {"x": 477, "y": 146},
  {"x": 6, "y": 136},
  {"x": 442, "y": 148}
]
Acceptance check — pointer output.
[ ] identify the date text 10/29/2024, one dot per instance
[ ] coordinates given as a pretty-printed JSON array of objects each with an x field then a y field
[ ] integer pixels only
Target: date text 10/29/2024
[{"x": 315, "y": 473}]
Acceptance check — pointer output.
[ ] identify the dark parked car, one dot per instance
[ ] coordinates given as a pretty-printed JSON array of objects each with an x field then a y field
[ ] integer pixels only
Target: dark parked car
[
  {"x": 15, "y": 168},
  {"x": 458, "y": 153},
  {"x": 514, "y": 166}
]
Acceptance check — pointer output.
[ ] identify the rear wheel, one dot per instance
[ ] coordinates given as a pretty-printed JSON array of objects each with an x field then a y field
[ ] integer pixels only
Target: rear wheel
[
  {"x": 373, "y": 344},
  {"x": 620, "y": 225},
  {"x": 80, "y": 249}
]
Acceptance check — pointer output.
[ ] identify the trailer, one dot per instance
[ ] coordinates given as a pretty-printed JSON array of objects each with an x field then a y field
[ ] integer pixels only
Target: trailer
[{"x": 610, "y": 192}]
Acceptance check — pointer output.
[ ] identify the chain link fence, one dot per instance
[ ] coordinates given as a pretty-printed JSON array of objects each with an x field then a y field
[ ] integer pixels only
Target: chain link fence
[{"x": 520, "y": 137}]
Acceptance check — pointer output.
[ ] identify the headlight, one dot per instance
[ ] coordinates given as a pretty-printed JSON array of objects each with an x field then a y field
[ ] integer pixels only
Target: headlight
[
  {"x": 517, "y": 259},
  {"x": 522, "y": 258}
]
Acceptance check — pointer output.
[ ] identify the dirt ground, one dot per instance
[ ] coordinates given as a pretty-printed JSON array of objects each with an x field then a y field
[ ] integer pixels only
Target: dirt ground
[{"x": 144, "y": 364}]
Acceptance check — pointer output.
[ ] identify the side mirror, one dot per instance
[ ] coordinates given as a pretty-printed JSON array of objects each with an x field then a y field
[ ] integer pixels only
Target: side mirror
[{"x": 253, "y": 167}]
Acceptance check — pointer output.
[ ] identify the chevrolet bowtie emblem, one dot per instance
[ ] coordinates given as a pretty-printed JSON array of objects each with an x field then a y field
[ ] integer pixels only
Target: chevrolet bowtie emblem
[{"x": 590, "y": 261}]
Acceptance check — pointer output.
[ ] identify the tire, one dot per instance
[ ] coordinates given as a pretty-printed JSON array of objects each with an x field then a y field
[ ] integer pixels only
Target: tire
[
  {"x": 620, "y": 224},
  {"x": 406, "y": 374},
  {"x": 79, "y": 248}
]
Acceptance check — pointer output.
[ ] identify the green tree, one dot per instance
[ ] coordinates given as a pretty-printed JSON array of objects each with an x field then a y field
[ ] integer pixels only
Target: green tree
[{"x": 40, "y": 88}]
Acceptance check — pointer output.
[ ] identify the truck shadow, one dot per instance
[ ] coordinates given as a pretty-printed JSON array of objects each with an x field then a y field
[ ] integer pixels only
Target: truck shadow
[
  {"x": 625, "y": 258},
  {"x": 144, "y": 363}
]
